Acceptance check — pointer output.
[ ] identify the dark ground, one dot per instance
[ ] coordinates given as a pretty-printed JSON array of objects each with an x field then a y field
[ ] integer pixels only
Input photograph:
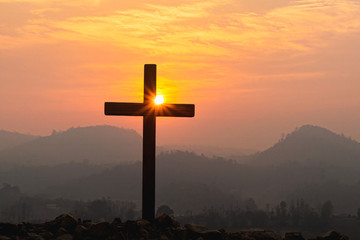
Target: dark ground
[{"x": 68, "y": 227}]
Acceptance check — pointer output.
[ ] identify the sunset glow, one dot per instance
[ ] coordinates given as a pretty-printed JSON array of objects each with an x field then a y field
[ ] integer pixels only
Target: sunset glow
[{"x": 255, "y": 69}]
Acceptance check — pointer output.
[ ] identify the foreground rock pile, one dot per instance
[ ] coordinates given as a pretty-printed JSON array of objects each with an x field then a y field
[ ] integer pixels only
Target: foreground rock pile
[{"x": 67, "y": 227}]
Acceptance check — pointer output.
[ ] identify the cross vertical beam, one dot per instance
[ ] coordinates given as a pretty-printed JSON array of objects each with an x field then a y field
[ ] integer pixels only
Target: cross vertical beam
[{"x": 149, "y": 139}]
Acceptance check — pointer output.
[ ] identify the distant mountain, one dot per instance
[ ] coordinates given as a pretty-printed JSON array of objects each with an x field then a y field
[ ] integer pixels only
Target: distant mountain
[
  {"x": 11, "y": 139},
  {"x": 312, "y": 163},
  {"x": 312, "y": 144},
  {"x": 96, "y": 144}
]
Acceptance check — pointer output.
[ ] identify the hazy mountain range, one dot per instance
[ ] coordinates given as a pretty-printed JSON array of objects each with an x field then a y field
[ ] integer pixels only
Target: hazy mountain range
[
  {"x": 312, "y": 163},
  {"x": 96, "y": 144},
  {"x": 11, "y": 139},
  {"x": 311, "y": 144}
]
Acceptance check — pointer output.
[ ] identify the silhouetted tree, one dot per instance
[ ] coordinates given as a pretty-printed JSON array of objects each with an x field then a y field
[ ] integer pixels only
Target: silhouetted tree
[
  {"x": 164, "y": 209},
  {"x": 326, "y": 212},
  {"x": 250, "y": 205},
  {"x": 99, "y": 209},
  {"x": 130, "y": 213},
  {"x": 283, "y": 210}
]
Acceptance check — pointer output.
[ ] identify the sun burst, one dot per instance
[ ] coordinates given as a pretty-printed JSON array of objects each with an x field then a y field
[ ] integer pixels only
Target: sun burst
[{"x": 159, "y": 99}]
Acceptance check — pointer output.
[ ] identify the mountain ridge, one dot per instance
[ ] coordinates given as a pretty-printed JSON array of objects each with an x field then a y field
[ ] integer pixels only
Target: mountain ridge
[
  {"x": 113, "y": 145},
  {"x": 102, "y": 144},
  {"x": 198, "y": 178},
  {"x": 311, "y": 143},
  {"x": 9, "y": 139}
]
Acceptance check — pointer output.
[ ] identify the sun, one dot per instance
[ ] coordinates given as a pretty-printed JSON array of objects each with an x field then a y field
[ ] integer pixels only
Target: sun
[{"x": 159, "y": 99}]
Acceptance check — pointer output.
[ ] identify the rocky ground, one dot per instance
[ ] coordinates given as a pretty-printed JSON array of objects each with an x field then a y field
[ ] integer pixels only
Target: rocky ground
[{"x": 68, "y": 227}]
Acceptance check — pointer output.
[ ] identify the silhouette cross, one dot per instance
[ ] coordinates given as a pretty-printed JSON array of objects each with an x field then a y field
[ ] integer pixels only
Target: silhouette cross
[{"x": 149, "y": 110}]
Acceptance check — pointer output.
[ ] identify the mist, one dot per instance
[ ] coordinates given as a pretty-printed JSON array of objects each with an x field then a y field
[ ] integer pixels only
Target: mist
[{"x": 308, "y": 171}]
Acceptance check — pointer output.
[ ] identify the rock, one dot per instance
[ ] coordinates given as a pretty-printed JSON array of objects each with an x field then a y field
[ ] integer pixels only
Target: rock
[
  {"x": 255, "y": 234},
  {"x": 180, "y": 233},
  {"x": 333, "y": 235},
  {"x": 34, "y": 236},
  {"x": 143, "y": 233},
  {"x": 101, "y": 230},
  {"x": 47, "y": 235},
  {"x": 116, "y": 238},
  {"x": 65, "y": 237},
  {"x": 293, "y": 236},
  {"x": 142, "y": 223},
  {"x": 196, "y": 231},
  {"x": 195, "y": 228},
  {"x": 66, "y": 221},
  {"x": 8, "y": 229},
  {"x": 87, "y": 223},
  {"x": 116, "y": 222},
  {"x": 80, "y": 231},
  {"x": 164, "y": 221},
  {"x": 163, "y": 237},
  {"x": 130, "y": 226},
  {"x": 2, "y": 237},
  {"x": 61, "y": 231}
]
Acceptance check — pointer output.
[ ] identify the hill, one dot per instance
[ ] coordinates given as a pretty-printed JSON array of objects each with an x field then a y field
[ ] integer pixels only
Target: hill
[
  {"x": 295, "y": 168},
  {"x": 309, "y": 163},
  {"x": 95, "y": 144},
  {"x": 11, "y": 139},
  {"x": 312, "y": 144}
]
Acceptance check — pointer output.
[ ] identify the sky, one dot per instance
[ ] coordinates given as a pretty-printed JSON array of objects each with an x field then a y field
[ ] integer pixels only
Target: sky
[{"x": 255, "y": 70}]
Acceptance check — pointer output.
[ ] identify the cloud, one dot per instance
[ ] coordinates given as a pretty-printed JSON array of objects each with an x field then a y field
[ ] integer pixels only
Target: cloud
[
  {"x": 198, "y": 34},
  {"x": 209, "y": 28},
  {"x": 254, "y": 54}
]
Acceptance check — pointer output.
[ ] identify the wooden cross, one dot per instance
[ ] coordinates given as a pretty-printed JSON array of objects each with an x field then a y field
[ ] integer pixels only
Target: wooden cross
[{"x": 149, "y": 110}]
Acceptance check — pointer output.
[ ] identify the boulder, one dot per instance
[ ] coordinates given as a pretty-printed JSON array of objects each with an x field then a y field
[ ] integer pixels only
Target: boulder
[
  {"x": 116, "y": 222},
  {"x": 47, "y": 235},
  {"x": 80, "y": 231},
  {"x": 61, "y": 231},
  {"x": 142, "y": 223},
  {"x": 2, "y": 237},
  {"x": 196, "y": 231},
  {"x": 180, "y": 233},
  {"x": 34, "y": 236},
  {"x": 164, "y": 221},
  {"x": 255, "y": 234},
  {"x": 65, "y": 237},
  {"x": 333, "y": 235},
  {"x": 66, "y": 221},
  {"x": 8, "y": 229},
  {"x": 101, "y": 230},
  {"x": 293, "y": 236}
]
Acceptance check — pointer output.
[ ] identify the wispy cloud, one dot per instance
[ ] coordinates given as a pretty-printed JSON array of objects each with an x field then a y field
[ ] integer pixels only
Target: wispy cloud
[
  {"x": 200, "y": 28},
  {"x": 265, "y": 51},
  {"x": 195, "y": 32}
]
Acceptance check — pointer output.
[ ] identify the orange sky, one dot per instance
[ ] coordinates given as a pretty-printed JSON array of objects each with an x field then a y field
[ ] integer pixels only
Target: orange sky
[{"x": 255, "y": 69}]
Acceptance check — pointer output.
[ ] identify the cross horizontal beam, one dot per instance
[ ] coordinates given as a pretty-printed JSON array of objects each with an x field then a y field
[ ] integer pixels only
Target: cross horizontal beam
[{"x": 142, "y": 109}]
